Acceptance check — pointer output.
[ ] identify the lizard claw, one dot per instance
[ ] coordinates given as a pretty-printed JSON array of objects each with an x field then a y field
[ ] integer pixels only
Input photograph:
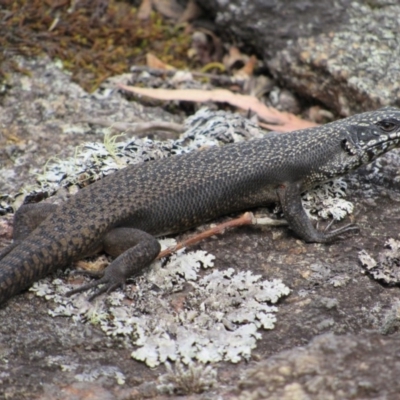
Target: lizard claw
[
  {"x": 108, "y": 285},
  {"x": 107, "y": 288},
  {"x": 345, "y": 229}
]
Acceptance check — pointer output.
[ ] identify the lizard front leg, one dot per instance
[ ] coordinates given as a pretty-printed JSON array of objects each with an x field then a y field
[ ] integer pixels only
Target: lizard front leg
[
  {"x": 290, "y": 197},
  {"x": 135, "y": 250}
]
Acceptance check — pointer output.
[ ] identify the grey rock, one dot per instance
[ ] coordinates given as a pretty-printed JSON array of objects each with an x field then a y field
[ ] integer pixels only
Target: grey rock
[
  {"x": 343, "y": 53},
  {"x": 351, "y": 69},
  {"x": 267, "y": 25},
  {"x": 330, "y": 367},
  {"x": 51, "y": 357}
]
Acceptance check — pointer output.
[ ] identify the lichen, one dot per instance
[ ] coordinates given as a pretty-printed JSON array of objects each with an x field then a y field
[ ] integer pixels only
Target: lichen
[
  {"x": 327, "y": 201},
  {"x": 184, "y": 380},
  {"x": 387, "y": 268},
  {"x": 220, "y": 321}
]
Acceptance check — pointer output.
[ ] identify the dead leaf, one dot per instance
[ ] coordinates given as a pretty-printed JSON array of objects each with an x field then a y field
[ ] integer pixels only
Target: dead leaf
[
  {"x": 234, "y": 59},
  {"x": 178, "y": 301},
  {"x": 192, "y": 11},
  {"x": 247, "y": 70},
  {"x": 154, "y": 62},
  {"x": 258, "y": 86},
  {"x": 206, "y": 46},
  {"x": 319, "y": 115},
  {"x": 276, "y": 120},
  {"x": 145, "y": 9},
  {"x": 169, "y": 8},
  {"x": 288, "y": 123},
  {"x": 98, "y": 265}
]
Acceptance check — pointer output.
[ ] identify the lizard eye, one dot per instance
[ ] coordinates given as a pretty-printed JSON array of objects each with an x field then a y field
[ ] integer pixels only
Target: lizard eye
[{"x": 387, "y": 125}]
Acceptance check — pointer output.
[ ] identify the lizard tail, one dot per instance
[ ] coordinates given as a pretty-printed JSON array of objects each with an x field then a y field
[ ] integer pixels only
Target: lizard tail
[{"x": 28, "y": 262}]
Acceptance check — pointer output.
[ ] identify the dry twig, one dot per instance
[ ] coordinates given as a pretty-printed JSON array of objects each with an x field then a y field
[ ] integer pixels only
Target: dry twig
[{"x": 247, "y": 218}]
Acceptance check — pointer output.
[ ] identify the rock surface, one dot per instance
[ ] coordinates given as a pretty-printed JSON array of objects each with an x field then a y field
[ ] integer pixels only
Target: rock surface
[
  {"x": 54, "y": 358},
  {"x": 330, "y": 367},
  {"x": 343, "y": 53}
]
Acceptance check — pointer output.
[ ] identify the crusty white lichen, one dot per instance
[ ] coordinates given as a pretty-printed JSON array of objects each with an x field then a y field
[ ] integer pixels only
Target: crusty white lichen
[
  {"x": 383, "y": 316},
  {"x": 327, "y": 201},
  {"x": 87, "y": 373},
  {"x": 93, "y": 374},
  {"x": 217, "y": 318},
  {"x": 387, "y": 267}
]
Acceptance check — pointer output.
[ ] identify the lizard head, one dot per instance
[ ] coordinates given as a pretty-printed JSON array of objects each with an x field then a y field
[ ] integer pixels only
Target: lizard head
[{"x": 372, "y": 133}]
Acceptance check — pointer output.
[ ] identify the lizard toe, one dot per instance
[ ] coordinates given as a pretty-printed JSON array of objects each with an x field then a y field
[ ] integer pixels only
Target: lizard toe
[
  {"x": 342, "y": 233},
  {"x": 90, "y": 285},
  {"x": 108, "y": 286}
]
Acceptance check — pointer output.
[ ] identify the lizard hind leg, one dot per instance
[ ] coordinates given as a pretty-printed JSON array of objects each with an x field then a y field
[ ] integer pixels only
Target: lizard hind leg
[
  {"x": 26, "y": 219},
  {"x": 135, "y": 250}
]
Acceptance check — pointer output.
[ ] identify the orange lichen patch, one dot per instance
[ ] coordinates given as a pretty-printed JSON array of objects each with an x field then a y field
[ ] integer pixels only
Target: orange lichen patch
[{"x": 94, "y": 39}]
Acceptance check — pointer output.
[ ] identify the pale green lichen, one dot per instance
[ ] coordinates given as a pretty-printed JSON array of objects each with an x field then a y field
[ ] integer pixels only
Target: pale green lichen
[
  {"x": 326, "y": 201},
  {"x": 386, "y": 268},
  {"x": 223, "y": 313}
]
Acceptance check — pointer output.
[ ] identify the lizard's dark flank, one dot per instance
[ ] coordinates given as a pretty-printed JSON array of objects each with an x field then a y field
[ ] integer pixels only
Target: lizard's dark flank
[{"x": 123, "y": 213}]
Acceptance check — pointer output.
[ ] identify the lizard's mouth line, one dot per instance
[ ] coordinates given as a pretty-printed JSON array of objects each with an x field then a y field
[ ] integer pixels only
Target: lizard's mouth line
[{"x": 389, "y": 142}]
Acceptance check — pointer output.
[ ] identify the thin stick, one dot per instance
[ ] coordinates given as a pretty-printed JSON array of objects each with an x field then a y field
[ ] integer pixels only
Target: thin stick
[{"x": 246, "y": 219}]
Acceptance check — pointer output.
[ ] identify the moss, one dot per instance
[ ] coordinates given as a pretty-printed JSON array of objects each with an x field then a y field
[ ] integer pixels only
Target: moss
[{"x": 93, "y": 43}]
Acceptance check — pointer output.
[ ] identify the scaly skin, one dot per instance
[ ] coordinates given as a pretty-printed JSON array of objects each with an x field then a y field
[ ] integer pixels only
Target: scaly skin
[{"x": 123, "y": 213}]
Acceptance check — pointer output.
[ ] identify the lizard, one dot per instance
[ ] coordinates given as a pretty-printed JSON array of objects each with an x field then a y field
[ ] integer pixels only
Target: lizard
[{"x": 123, "y": 213}]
